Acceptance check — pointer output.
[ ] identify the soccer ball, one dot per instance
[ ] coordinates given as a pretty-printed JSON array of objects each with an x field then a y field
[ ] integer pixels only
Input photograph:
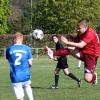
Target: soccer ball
[{"x": 38, "y": 34}]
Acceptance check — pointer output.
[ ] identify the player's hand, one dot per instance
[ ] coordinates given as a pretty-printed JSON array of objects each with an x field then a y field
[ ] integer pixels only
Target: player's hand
[
  {"x": 64, "y": 39},
  {"x": 55, "y": 58}
]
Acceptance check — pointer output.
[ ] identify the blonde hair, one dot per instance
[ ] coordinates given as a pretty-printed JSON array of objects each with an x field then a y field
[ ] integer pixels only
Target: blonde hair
[{"x": 18, "y": 35}]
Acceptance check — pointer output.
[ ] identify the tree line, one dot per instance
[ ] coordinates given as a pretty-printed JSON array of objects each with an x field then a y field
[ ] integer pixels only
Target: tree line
[{"x": 52, "y": 16}]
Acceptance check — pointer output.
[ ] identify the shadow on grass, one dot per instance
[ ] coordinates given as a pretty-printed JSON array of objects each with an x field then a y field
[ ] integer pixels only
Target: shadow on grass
[{"x": 38, "y": 87}]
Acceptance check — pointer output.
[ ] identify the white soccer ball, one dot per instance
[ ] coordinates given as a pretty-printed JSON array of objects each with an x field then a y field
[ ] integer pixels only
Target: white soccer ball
[{"x": 38, "y": 34}]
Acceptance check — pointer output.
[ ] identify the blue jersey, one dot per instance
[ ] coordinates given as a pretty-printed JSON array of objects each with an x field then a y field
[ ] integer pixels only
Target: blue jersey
[{"x": 18, "y": 57}]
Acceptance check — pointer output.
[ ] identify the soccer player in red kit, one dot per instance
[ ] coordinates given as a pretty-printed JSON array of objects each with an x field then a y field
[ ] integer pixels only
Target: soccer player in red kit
[{"x": 88, "y": 47}]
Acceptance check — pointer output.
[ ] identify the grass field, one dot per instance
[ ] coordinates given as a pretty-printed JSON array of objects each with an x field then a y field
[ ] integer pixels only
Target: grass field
[{"x": 42, "y": 79}]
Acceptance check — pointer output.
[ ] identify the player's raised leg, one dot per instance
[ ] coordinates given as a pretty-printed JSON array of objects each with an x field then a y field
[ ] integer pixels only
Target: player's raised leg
[
  {"x": 49, "y": 52},
  {"x": 60, "y": 52}
]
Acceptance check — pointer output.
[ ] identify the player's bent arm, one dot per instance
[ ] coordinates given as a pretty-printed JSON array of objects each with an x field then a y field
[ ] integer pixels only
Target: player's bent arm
[
  {"x": 30, "y": 62},
  {"x": 79, "y": 44}
]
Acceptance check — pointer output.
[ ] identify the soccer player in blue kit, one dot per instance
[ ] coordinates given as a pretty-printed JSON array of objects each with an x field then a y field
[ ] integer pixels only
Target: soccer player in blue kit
[{"x": 19, "y": 57}]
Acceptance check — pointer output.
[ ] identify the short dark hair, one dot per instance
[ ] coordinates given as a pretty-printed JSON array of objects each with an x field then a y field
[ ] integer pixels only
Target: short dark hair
[
  {"x": 54, "y": 35},
  {"x": 83, "y": 22}
]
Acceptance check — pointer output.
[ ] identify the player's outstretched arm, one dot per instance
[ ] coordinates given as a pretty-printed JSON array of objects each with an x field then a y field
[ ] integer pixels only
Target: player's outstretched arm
[{"x": 30, "y": 62}]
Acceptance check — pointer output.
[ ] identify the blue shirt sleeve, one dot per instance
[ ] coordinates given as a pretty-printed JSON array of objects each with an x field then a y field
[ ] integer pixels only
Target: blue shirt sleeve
[
  {"x": 29, "y": 53},
  {"x": 7, "y": 53}
]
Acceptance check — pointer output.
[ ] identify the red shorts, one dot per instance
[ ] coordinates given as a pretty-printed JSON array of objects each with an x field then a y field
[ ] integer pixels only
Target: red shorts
[{"x": 90, "y": 62}]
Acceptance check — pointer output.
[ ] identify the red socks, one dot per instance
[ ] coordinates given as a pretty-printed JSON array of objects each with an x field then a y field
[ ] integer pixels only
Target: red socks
[{"x": 61, "y": 52}]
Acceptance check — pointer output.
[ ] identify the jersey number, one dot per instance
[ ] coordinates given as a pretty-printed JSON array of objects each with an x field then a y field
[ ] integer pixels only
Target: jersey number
[{"x": 17, "y": 61}]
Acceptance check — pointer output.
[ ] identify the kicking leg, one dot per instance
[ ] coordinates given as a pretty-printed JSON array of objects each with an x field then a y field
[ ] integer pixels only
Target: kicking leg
[
  {"x": 91, "y": 78},
  {"x": 60, "y": 52}
]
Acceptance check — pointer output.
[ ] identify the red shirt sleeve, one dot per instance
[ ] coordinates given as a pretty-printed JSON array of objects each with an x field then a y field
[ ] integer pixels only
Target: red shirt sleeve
[{"x": 88, "y": 36}]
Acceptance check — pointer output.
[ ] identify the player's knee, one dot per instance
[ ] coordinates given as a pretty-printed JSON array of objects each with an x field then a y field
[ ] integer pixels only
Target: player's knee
[
  {"x": 88, "y": 77},
  {"x": 66, "y": 71},
  {"x": 87, "y": 80},
  {"x": 56, "y": 73}
]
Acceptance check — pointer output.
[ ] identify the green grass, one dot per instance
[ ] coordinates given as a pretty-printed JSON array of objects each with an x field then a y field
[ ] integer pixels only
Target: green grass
[{"x": 42, "y": 79}]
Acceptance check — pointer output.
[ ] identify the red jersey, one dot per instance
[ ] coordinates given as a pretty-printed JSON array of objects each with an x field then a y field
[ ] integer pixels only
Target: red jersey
[{"x": 92, "y": 40}]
